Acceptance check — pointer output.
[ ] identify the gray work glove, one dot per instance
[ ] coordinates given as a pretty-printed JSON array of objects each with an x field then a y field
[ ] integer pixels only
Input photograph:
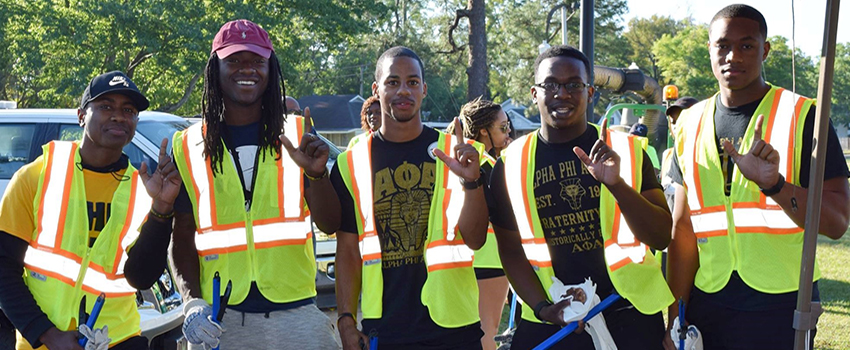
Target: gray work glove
[
  {"x": 199, "y": 326},
  {"x": 98, "y": 339}
]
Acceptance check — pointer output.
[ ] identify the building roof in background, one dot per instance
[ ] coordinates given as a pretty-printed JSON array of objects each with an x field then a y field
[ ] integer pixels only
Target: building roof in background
[{"x": 334, "y": 113}]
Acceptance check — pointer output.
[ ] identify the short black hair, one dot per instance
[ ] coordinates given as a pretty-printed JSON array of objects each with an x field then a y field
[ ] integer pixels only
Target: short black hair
[
  {"x": 398, "y": 51},
  {"x": 565, "y": 51},
  {"x": 742, "y": 11}
]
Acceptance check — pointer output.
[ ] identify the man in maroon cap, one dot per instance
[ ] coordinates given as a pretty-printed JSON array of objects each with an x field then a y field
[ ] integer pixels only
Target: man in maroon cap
[{"x": 243, "y": 215}]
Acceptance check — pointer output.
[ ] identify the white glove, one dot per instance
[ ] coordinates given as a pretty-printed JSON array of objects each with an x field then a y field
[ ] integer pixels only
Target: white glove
[
  {"x": 199, "y": 326},
  {"x": 693, "y": 339},
  {"x": 98, "y": 339}
]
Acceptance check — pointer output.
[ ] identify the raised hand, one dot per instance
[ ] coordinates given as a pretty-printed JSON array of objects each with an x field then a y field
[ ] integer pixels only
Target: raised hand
[
  {"x": 312, "y": 154},
  {"x": 465, "y": 162},
  {"x": 602, "y": 163},
  {"x": 761, "y": 163},
  {"x": 164, "y": 185}
]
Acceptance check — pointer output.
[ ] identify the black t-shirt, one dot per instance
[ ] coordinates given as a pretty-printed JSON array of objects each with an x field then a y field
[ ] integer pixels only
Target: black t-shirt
[
  {"x": 243, "y": 144},
  {"x": 567, "y": 199},
  {"x": 403, "y": 176},
  {"x": 731, "y": 124}
]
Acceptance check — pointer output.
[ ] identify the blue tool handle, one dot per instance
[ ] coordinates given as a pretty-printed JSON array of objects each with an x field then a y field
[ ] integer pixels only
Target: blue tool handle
[
  {"x": 573, "y": 325},
  {"x": 683, "y": 331},
  {"x": 95, "y": 311},
  {"x": 216, "y": 305},
  {"x": 373, "y": 343},
  {"x": 513, "y": 311}
]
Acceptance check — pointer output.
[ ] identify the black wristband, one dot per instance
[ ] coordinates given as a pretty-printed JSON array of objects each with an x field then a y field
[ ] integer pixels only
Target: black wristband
[
  {"x": 539, "y": 307},
  {"x": 344, "y": 315},
  {"x": 776, "y": 188}
]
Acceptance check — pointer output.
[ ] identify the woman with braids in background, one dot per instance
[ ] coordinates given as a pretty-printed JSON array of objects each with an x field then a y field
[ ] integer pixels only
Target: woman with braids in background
[
  {"x": 241, "y": 215},
  {"x": 486, "y": 122},
  {"x": 370, "y": 119}
]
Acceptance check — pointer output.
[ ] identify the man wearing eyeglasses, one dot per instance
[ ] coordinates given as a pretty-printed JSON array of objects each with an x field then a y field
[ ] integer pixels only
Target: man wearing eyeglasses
[{"x": 577, "y": 201}]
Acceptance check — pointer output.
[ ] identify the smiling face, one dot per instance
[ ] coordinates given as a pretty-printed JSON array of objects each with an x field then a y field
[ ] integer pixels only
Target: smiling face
[
  {"x": 737, "y": 51},
  {"x": 243, "y": 77},
  {"x": 401, "y": 89},
  {"x": 562, "y": 109},
  {"x": 109, "y": 121}
]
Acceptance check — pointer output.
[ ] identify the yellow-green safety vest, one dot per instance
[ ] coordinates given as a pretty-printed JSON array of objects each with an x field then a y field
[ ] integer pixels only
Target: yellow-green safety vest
[
  {"x": 268, "y": 243},
  {"x": 60, "y": 267},
  {"x": 450, "y": 291},
  {"x": 488, "y": 255},
  {"x": 636, "y": 275},
  {"x": 745, "y": 232}
]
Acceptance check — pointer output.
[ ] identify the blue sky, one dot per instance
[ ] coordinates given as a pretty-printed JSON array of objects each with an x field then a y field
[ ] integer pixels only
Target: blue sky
[{"x": 810, "y": 15}]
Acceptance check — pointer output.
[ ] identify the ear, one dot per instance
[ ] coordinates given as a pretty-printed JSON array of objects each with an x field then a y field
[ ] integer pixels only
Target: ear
[
  {"x": 766, "y": 51},
  {"x": 375, "y": 88},
  {"x": 533, "y": 94},
  {"x": 590, "y": 91},
  {"x": 424, "y": 89},
  {"x": 81, "y": 117}
]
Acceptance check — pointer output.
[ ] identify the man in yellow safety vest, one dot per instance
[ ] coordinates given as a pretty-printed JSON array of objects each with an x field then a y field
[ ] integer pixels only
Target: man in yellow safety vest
[{"x": 743, "y": 156}]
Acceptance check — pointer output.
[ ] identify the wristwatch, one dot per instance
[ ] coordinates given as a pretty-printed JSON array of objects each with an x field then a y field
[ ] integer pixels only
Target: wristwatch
[
  {"x": 780, "y": 182},
  {"x": 471, "y": 185}
]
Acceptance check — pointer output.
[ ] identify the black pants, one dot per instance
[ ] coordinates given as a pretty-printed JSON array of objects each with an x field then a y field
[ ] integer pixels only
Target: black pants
[
  {"x": 134, "y": 343},
  {"x": 630, "y": 329},
  {"x": 724, "y": 328}
]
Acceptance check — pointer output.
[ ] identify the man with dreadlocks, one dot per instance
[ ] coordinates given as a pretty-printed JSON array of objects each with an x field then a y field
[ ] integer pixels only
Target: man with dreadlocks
[{"x": 242, "y": 214}]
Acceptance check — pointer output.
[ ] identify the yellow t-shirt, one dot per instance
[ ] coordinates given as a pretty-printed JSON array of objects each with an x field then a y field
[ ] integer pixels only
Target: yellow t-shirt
[{"x": 16, "y": 207}]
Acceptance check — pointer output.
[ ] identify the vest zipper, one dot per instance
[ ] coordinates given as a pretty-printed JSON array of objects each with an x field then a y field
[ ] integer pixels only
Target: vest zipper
[{"x": 252, "y": 255}]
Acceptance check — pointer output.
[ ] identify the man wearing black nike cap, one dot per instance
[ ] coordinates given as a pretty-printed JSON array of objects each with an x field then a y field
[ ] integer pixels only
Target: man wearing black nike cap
[{"x": 70, "y": 225}]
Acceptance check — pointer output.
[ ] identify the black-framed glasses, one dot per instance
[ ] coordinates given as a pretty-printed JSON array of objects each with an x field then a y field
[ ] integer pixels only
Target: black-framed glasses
[{"x": 571, "y": 87}]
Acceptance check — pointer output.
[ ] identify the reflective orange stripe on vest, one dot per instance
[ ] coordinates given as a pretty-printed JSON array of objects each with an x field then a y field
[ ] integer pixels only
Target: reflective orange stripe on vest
[{"x": 623, "y": 248}]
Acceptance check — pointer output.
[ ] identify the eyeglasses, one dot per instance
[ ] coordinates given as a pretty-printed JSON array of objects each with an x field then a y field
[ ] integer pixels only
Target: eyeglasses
[
  {"x": 504, "y": 128},
  {"x": 554, "y": 88},
  {"x": 294, "y": 111}
]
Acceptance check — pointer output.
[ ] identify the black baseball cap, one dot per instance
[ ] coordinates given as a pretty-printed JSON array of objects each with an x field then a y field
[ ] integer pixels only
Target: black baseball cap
[
  {"x": 114, "y": 82},
  {"x": 682, "y": 103}
]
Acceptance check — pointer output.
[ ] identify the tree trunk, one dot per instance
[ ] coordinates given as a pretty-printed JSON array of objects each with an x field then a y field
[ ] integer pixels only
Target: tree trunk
[
  {"x": 170, "y": 108},
  {"x": 478, "y": 73}
]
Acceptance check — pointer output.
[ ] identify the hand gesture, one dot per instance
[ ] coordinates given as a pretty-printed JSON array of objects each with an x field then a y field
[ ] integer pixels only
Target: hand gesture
[
  {"x": 761, "y": 163},
  {"x": 54, "y": 339},
  {"x": 164, "y": 185},
  {"x": 312, "y": 154},
  {"x": 465, "y": 162},
  {"x": 602, "y": 163}
]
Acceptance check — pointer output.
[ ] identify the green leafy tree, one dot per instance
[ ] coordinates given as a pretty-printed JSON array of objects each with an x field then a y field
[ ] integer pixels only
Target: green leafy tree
[
  {"x": 642, "y": 34},
  {"x": 684, "y": 60}
]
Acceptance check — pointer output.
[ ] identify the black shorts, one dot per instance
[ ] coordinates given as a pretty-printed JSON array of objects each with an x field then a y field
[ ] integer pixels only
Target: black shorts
[
  {"x": 468, "y": 339},
  {"x": 483, "y": 273},
  {"x": 630, "y": 329},
  {"x": 726, "y": 328}
]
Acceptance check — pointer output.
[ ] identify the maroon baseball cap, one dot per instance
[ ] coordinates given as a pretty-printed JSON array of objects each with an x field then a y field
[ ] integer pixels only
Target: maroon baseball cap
[{"x": 241, "y": 35}]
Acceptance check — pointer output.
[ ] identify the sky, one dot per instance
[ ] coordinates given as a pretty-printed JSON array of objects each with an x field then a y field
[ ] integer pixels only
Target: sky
[{"x": 810, "y": 15}]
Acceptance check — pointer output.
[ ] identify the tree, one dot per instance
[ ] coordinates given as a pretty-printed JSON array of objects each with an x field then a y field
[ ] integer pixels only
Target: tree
[
  {"x": 477, "y": 72},
  {"x": 777, "y": 68},
  {"x": 840, "y": 112},
  {"x": 642, "y": 34},
  {"x": 684, "y": 60}
]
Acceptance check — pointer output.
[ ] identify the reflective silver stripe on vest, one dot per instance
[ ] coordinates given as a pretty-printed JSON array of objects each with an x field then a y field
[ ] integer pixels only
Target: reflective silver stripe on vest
[
  {"x": 447, "y": 254},
  {"x": 292, "y": 204},
  {"x": 54, "y": 191},
  {"x": 141, "y": 207},
  {"x": 514, "y": 168},
  {"x": 54, "y": 264},
  {"x": 626, "y": 246},
  {"x": 691, "y": 125}
]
